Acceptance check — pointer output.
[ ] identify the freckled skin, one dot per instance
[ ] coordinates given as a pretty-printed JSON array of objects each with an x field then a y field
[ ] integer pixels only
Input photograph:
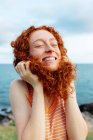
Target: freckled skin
[
  {"x": 43, "y": 44},
  {"x": 31, "y": 118}
]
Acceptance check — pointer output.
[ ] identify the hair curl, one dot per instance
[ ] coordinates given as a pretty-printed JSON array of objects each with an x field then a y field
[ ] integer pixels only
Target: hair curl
[
  {"x": 21, "y": 44},
  {"x": 68, "y": 71}
]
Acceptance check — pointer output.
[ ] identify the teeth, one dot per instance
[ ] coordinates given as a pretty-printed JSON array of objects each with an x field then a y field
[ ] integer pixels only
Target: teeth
[{"x": 49, "y": 58}]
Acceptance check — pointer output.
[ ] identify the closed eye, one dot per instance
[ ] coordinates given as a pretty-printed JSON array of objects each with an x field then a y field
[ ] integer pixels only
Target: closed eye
[
  {"x": 54, "y": 45},
  {"x": 38, "y": 46}
]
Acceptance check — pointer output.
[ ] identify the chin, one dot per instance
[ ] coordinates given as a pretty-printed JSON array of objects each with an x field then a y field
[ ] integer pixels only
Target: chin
[{"x": 51, "y": 68}]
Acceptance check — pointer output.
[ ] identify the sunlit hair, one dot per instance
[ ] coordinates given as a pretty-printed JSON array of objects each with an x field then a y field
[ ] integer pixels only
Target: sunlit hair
[{"x": 59, "y": 80}]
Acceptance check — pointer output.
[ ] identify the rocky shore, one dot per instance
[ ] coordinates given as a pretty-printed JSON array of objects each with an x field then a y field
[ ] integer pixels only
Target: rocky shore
[
  {"x": 87, "y": 112},
  {"x": 6, "y": 115}
]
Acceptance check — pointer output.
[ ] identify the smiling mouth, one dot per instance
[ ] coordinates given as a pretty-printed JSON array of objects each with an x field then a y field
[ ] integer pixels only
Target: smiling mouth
[{"x": 49, "y": 59}]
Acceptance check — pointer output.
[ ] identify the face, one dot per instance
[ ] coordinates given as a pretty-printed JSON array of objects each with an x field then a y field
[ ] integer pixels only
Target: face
[{"x": 44, "y": 47}]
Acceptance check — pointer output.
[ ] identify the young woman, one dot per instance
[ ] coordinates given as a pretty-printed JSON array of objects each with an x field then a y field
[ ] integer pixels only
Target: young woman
[{"x": 44, "y": 101}]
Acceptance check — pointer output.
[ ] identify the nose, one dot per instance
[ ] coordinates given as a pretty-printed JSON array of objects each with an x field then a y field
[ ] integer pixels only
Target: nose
[{"x": 49, "y": 48}]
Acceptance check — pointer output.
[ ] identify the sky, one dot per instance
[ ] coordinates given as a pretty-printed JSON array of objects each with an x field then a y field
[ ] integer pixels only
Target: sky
[{"x": 73, "y": 19}]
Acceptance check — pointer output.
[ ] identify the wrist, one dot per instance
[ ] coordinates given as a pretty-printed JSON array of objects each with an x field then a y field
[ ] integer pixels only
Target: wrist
[
  {"x": 70, "y": 100},
  {"x": 38, "y": 87}
]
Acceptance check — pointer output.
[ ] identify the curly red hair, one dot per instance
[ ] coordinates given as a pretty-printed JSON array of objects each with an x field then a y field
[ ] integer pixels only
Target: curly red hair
[{"x": 59, "y": 80}]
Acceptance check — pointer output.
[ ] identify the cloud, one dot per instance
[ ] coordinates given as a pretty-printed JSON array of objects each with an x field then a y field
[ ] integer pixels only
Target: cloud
[
  {"x": 5, "y": 49},
  {"x": 79, "y": 49},
  {"x": 69, "y": 17}
]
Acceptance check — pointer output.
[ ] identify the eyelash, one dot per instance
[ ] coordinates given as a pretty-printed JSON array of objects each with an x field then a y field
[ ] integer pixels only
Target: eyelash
[
  {"x": 54, "y": 45},
  {"x": 38, "y": 46}
]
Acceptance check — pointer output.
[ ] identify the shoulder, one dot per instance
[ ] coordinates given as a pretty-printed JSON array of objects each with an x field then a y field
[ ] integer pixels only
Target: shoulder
[
  {"x": 18, "y": 94},
  {"x": 19, "y": 104},
  {"x": 19, "y": 85},
  {"x": 18, "y": 82}
]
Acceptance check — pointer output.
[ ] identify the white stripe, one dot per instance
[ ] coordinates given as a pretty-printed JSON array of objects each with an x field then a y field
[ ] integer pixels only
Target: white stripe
[
  {"x": 61, "y": 125},
  {"x": 48, "y": 127},
  {"x": 62, "y": 130},
  {"x": 59, "y": 113},
  {"x": 62, "y": 137},
  {"x": 59, "y": 108},
  {"x": 58, "y": 134},
  {"x": 57, "y": 116},
  {"x": 57, "y": 121}
]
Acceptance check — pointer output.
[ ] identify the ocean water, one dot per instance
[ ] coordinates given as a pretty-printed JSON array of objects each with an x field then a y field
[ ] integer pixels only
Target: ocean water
[{"x": 84, "y": 84}]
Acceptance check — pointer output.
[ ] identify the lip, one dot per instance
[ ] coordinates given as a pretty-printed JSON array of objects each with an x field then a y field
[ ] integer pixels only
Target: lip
[{"x": 49, "y": 57}]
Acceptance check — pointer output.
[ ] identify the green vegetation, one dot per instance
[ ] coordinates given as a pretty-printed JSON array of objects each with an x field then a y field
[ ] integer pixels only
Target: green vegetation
[
  {"x": 90, "y": 136},
  {"x": 9, "y": 132}
]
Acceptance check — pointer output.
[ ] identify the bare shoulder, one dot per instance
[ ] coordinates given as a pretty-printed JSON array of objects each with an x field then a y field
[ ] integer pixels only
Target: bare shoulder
[
  {"x": 20, "y": 107},
  {"x": 18, "y": 81},
  {"x": 18, "y": 93},
  {"x": 20, "y": 85}
]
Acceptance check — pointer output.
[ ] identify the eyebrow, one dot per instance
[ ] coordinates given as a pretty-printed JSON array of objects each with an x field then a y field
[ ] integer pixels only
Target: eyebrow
[{"x": 40, "y": 39}]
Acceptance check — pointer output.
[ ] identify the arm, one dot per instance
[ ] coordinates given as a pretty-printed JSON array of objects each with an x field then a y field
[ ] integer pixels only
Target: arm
[
  {"x": 19, "y": 105},
  {"x": 29, "y": 120},
  {"x": 35, "y": 128},
  {"x": 75, "y": 124}
]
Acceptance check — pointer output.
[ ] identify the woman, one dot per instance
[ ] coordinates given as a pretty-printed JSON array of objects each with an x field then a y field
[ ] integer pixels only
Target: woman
[{"x": 44, "y": 101}]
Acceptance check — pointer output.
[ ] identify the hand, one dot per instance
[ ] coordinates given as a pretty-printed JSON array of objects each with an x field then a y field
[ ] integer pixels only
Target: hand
[{"x": 22, "y": 68}]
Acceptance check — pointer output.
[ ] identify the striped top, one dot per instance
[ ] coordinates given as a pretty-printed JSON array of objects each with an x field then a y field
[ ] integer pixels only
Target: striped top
[{"x": 55, "y": 120}]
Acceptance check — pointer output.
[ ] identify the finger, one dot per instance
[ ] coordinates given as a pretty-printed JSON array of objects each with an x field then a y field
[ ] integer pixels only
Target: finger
[
  {"x": 22, "y": 68},
  {"x": 27, "y": 66},
  {"x": 16, "y": 69},
  {"x": 28, "y": 70}
]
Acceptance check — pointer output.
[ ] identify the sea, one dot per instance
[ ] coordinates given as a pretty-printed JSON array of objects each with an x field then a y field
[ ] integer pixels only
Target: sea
[{"x": 84, "y": 83}]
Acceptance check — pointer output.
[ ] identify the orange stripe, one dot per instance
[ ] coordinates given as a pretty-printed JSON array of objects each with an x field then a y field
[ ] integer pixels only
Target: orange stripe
[
  {"x": 55, "y": 114},
  {"x": 58, "y": 121}
]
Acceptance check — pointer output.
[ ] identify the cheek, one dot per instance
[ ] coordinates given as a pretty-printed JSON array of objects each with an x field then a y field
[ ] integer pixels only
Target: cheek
[
  {"x": 36, "y": 54},
  {"x": 33, "y": 53},
  {"x": 59, "y": 53}
]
